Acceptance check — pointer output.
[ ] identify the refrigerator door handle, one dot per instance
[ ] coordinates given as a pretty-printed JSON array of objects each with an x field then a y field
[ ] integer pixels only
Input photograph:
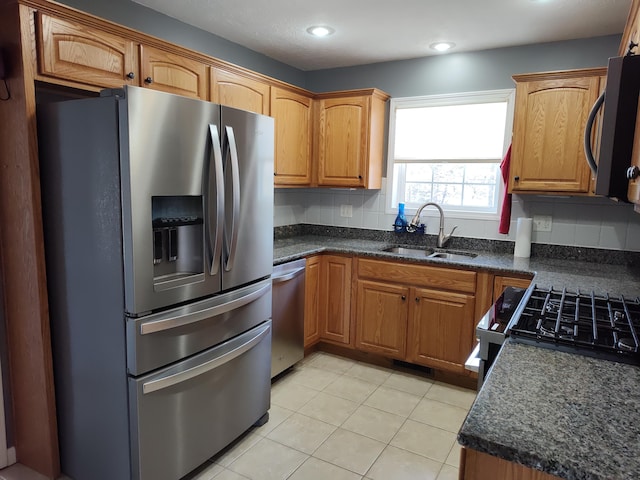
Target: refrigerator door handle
[
  {"x": 174, "y": 379},
  {"x": 215, "y": 216},
  {"x": 175, "y": 321},
  {"x": 232, "y": 242}
]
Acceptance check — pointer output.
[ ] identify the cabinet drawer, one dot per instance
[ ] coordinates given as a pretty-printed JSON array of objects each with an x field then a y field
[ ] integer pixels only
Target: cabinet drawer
[{"x": 418, "y": 275}]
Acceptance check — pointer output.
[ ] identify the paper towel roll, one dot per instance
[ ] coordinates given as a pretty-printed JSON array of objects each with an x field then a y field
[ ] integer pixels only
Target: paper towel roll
[{"x": 523, "y": 238}]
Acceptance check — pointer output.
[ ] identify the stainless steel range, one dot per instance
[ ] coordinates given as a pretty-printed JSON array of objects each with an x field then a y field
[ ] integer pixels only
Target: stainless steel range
[{"x": 599, "y": 326}]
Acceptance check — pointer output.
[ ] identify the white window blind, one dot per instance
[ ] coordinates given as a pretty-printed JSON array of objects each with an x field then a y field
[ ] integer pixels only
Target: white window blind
[{"x": 447, "y": 149}]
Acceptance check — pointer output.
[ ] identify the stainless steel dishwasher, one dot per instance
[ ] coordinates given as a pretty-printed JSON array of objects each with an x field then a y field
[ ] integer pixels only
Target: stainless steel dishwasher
[{"x": 287, "y": 344}]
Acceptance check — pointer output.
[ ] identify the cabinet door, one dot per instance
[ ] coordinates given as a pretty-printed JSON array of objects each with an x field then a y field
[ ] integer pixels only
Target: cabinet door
[
  {"x": 335, "y": 299},
  {"x": 440, "y": 329},
  {"x": 236, "y": 91},
  {"x": 548, "y": 153},
  {"x": 292, "y": 113},
  {"x": 500, "y": 283},
  {"x": 311, "y": 301},
  {"x": 342, "y": 141},
  {"x": 381, "y": 318},
  {"x": 83, "y": 54},
  {"x": 173, "y": 73}
]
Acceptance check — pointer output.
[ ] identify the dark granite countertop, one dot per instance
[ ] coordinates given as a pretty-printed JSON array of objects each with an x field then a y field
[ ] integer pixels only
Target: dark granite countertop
[
  {"x": 566, "y": 414},
  {"x": 569, "y": 415},
  {"x": 549, "y": 272}
]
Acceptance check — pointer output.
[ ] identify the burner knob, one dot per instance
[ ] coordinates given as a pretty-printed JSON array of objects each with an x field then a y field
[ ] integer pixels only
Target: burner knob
[{"x": 633, "y": 172}]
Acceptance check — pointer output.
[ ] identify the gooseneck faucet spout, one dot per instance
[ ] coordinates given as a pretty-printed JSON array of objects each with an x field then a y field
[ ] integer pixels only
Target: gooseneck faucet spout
[{"x": 442, "y": 238}]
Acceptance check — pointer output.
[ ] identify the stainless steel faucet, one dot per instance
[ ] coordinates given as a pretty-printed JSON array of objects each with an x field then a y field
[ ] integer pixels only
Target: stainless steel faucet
[{"x": 442, "y": 238}]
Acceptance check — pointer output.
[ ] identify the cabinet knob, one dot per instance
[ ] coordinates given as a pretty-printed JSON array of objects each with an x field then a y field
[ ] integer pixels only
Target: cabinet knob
[
  {"x": 404, "y": 297},
  {"x": 516, "y": 178},
  {"x": 148, "y": 80},
  {"x": 359, "y": 177},
  {"x": 417, "y": 299},
  {"x": 131, "y": 75},
  {"x": 275, "y": 174},
  {"x": 633, "y": 172}
]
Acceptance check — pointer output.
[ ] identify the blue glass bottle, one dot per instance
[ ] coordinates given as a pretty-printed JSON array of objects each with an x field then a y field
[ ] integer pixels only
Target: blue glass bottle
[{"x": 400, "y": 225}]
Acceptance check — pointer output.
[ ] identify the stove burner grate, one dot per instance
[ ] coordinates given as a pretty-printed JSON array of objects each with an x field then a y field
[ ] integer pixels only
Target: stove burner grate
[{"x": 584, "y": 323}]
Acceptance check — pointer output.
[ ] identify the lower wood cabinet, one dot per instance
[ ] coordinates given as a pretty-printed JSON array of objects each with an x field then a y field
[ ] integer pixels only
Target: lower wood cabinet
[
  {"x": 335, "y": 299},
  {"x": 311, "y": 301},
  {"x": 381, "y": 318},
  {"x": 500, "y": 283},
  {"x": 476, "y": 465},
  {"x": 441, "y": 329},
  {"x": 409, "y": 312}
]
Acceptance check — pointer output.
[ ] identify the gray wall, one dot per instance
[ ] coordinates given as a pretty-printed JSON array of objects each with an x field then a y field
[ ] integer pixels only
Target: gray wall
[
  {"x": 466, "y": 72},
  {"x": 139, "y": 17}
]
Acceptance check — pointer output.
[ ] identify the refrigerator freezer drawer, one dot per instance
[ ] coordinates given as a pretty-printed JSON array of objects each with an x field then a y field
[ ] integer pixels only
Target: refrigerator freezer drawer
[
  {"x": 185, "y": 414},
  {"x": 163, "y": 338}
]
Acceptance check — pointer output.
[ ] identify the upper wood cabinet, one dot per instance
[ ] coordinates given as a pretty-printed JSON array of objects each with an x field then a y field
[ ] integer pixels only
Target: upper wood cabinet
[
  {"x": 172, "y": 73},
  {"x": 550, "y": 116},
  {"x": 235, "y": 90},
  {"x": 77, "y": 53},
  {"x": 350, "y": 138},
  {"x": 294, "y": 135}
]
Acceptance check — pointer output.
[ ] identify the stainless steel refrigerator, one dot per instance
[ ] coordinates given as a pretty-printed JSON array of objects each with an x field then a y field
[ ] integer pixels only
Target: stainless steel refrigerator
[{"x": 158, "y": 220}]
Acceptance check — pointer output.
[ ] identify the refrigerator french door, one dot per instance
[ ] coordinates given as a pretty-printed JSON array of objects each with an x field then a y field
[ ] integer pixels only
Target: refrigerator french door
[{"x": 158, "y": 229}]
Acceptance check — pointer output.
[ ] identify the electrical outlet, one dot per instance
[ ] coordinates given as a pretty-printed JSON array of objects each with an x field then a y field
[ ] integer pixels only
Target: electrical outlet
[
  {"x": 542, "y": 223},
  {"x": 346, "y": 210}
]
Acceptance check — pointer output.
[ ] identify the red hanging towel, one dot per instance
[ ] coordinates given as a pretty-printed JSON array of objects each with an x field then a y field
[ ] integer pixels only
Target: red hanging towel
[{"x": 505, "y": 215}]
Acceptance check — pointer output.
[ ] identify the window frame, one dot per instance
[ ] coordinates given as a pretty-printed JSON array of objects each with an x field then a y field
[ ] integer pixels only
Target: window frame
[{"x": 465, "y": 98}]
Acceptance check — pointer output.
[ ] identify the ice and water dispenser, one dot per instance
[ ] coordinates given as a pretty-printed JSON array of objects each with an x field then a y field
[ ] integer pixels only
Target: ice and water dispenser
[{"x": 178, "y": 240}]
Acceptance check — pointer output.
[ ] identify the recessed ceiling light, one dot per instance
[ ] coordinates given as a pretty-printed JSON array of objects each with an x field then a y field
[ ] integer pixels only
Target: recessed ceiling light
[
  {"x": 442, "y": 46},
  {"x": 320, "y": 31}
]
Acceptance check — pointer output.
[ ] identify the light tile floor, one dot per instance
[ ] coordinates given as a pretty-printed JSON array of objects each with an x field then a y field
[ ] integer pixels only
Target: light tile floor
[
  {"x": 338, "y": 419},
  {"x": 332, "y": 418}
]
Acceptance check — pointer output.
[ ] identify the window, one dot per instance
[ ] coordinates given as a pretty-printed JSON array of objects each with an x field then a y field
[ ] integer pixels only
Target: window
[{"x": 447, "y": 149}]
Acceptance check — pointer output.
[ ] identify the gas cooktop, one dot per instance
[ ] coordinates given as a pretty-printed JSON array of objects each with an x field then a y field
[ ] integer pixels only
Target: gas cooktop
[{"x": 578, "y": 322}]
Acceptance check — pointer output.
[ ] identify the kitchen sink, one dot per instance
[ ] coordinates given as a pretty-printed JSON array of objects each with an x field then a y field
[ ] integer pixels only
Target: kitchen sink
[
  {"x": 452, "y": 255},
  {"x": 431, "y": 253},
  {"x": 418, "y": 252}
]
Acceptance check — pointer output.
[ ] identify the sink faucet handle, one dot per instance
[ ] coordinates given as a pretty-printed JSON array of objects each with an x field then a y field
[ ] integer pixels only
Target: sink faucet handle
[{"x": 446, "y": 238}]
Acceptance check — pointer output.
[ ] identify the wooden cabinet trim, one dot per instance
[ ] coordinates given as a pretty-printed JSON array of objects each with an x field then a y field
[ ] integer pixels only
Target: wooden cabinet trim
[
  {"x": 418, "y": 275},
  {"x": 560, "y": 74}
]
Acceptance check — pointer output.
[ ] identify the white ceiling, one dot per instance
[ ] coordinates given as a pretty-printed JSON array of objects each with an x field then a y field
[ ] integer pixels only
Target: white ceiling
[{"x": 370, "y": 31}]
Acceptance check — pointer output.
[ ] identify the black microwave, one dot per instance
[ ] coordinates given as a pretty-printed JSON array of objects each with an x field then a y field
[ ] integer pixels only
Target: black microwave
[{"x": 614, "y": 167}]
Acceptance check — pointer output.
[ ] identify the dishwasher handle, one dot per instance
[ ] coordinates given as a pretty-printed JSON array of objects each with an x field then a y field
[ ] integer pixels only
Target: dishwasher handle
[{"x": 290, "y": 275}]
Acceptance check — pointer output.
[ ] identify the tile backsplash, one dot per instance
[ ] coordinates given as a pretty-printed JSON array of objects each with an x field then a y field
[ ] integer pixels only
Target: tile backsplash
[{"x": 576, "y": 221}]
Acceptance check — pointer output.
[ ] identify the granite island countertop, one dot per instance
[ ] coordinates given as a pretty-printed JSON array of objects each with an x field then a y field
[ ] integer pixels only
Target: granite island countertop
[
  {"x": 565, "y": 414},
  {"x": 600, "y": 278}
]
